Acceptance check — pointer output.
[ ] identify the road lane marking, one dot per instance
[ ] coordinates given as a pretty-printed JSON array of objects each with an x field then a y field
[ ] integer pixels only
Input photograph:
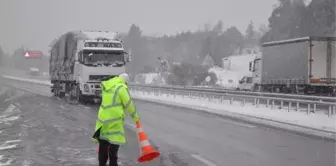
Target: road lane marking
[
  {"x": 85, "y": 107},
  {"x": 12, "y": 141},
  {"x": 203, "y": 160},
  {"x": 237, "y": 123},
  {"x": 132, "y": 125}
]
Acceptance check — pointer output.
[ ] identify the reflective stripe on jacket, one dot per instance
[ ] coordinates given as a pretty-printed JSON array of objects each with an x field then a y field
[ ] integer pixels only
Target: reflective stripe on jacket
[{"x": 115, "y": 99}]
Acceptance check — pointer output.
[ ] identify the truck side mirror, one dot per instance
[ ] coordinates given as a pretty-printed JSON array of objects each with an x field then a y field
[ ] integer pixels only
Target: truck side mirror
[
  {"x": 250, "y": 66},
  {"x": 127, "y": 57}
]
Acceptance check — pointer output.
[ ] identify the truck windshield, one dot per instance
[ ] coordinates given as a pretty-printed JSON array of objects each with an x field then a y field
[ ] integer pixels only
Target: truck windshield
[
  {"x": 103, "y": 57},
  {"x": 256, "y": 64},
  {"x": 249, "y": 79}
]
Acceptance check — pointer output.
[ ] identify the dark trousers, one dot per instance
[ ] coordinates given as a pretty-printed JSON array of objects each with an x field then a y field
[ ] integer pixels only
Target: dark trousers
[{"x": 106, "y": 151}]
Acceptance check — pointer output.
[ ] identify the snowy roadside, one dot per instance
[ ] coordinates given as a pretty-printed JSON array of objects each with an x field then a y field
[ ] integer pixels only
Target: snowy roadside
[
  {"x": 317, "y": 124},
  {"x": 10, "y": 135}
]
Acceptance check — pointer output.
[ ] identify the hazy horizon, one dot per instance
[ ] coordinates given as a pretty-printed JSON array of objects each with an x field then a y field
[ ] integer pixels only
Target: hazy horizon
[{"x": 35, "y": 23}]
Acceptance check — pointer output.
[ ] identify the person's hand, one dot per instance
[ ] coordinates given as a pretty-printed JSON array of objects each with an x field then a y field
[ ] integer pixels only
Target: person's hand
[{"x": 94, "y": 140}]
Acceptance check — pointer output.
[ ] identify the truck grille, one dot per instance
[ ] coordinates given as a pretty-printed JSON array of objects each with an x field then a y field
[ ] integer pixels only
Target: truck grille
[{"x": 97, "y": 77}]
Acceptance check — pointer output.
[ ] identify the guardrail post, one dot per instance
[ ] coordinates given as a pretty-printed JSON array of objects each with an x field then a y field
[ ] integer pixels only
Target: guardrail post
[
  {"x": 267, "y": 103},
  {"x": 329, "y": 111},
  {"x": 272, "y": 104},
  {"x": 221, "y": 99},
  {"x": 231, "y": 100},
  {"x": 308, "y": 109},
  {"x": 297, "y": 106},
  {"x": 281, "y": 105},
  {"x": 334, "y": 110},
  {"x": 244, "y": 102},
  {"x": 314, "y": 109},
  {"x": 289, "y": 106},
  {"x": 255, "y": 101}
]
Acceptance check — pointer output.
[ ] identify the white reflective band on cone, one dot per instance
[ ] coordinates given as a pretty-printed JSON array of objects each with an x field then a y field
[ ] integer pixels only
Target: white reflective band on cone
[
  {"x": 144, "y": 143},
  {"x": 140, "y": 129}
]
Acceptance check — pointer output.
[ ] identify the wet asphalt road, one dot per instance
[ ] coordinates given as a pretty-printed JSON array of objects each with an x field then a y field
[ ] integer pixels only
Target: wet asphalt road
[
  {"x": 40, "y": 130},
  {"x": 60, "y": 133},
  {"x": 226, "y": 142}
]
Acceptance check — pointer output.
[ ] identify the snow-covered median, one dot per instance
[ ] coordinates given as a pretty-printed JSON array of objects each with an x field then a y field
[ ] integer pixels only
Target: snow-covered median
[{"x": 317, "y": 122}]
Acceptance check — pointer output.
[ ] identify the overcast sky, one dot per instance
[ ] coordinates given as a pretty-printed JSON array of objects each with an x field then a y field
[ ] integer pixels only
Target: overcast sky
[{"x": 34, "y": 23}]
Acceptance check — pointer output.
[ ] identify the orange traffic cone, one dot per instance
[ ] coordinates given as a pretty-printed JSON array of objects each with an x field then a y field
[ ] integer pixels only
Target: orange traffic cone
[{"x": 147, "y": 151}]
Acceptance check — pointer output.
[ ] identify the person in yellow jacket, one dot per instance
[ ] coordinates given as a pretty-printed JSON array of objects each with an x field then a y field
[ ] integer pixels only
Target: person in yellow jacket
[{"x": 109, "y": 130}]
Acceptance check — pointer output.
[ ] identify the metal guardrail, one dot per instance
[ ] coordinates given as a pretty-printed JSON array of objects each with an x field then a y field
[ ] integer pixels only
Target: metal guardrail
[
  {"x": 270, "y": 102},
  {"x": 227, "y": 91}
]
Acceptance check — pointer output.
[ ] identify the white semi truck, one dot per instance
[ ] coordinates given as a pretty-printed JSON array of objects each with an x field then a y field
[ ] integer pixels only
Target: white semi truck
[
  {"x": 302, "y": 65},
  {"x": 81, "y": 59}
]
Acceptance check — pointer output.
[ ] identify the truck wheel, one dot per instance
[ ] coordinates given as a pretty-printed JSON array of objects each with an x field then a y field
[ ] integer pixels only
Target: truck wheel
[
  {"x": 56, "y": 92},
  {"x": 79, "y": 96},
  {"x": 53, "y": 90},
  {"x": 61, "y": 94}
]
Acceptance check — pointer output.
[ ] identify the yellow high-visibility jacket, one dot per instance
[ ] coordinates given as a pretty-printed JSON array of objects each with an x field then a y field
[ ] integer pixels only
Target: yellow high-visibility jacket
[{"x": 111, "y": 116}]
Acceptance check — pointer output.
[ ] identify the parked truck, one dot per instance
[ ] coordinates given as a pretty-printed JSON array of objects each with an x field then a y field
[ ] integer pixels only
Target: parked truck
[
  {"x": 302, "y": 65},
  {"x": 81, "y": 59}
]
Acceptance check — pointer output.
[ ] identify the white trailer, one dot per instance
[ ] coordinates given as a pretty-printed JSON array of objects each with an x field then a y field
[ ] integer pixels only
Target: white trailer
[
  {"x": 81, "y": 59},
  {"x": 301, "y": 65}
]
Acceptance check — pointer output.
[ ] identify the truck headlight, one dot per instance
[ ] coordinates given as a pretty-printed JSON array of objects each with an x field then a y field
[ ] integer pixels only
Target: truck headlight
[{"x": 86, "y": 87}]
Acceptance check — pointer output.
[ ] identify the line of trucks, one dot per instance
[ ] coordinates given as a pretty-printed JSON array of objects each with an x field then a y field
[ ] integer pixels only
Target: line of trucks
[
  {"x": 301, "y": 66},
  {"x": 79, "y": 60}
]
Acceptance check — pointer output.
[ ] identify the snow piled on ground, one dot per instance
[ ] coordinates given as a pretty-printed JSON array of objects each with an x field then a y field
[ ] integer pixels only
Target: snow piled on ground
[
  {"x": 147, "y": 78},
  {"x": 318, "y": 120},
  {"x": 226, "y": 78},
  {"x": 150, "y": 77}
]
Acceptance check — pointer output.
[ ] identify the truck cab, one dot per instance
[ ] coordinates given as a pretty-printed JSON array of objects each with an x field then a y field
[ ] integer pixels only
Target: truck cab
[
  {"x": 98, "y": 60},
  {"x": 80, "y": 60},
  {"x": 255, "y": 67}
]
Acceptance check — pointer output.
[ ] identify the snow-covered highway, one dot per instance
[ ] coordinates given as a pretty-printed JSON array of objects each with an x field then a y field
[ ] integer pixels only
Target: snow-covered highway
[{"x": 55, "y": 132}]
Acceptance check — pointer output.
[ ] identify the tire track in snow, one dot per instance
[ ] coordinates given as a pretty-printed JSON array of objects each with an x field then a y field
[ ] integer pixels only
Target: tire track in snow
[
  {"x": 10, "y": 115},
  {"x": 8, "y": 144}
]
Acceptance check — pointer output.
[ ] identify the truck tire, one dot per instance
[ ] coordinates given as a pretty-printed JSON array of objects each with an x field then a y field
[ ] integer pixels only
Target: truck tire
[
  {"x": 55, "y": 92},
  {"x": 79, "y": 96},
  {"x": 61, "y": 94}
]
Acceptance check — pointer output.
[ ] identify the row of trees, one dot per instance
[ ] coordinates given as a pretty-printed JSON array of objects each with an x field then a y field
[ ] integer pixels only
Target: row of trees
[
  {"x": 187, "y": 46},
  {"x": 293, "y": 18},
  {"x": 290, "y": 19}
]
